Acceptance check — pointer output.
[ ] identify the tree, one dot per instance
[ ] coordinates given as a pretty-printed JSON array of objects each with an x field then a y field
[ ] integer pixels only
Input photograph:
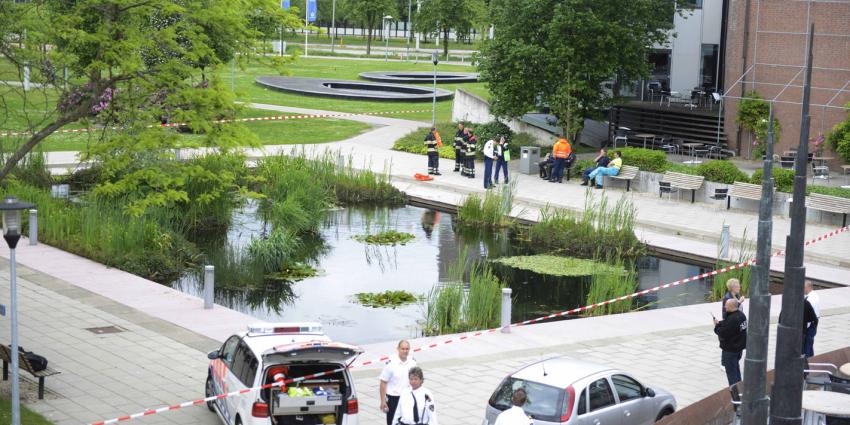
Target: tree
[
  {"x": 129, "y": 63},
  {"x": 369, "y": 13},
  {"x": 442, "y": 16},
  {"x": 559, "y": 52},
  {"x": 839, "y": 138}
]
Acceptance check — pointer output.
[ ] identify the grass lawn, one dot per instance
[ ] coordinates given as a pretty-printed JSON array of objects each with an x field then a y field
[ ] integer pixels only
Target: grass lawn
[
  {"x": 346, "y": 69},
  {"x": 28, "y": 417}
]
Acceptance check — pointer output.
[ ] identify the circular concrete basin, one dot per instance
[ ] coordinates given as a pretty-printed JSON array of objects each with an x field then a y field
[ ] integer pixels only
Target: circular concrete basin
[
  {"x": 419, "y": 77},
  {"x": 357, "y": 90}
]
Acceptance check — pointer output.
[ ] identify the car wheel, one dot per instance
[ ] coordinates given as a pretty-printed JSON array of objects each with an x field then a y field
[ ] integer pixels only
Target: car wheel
[
  {"x": 209, "y": 393},
  {"x": 664, "y": 412}
]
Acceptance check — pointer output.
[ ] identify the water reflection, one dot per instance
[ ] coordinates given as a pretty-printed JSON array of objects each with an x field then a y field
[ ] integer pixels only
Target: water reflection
[{"x": 347, "y": 267}]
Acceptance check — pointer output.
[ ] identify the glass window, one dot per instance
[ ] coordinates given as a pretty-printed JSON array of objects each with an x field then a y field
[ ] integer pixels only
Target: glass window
[
  {"x": 600, "y": 395},
  {"x": 228, "y": 349},
  {"x": 708, "y": 66},
  {"x": 627, "y": 388},
  {"x": 249, "y": 371},
  {"x": 241, "y": 360},
  {"x": 544, "y": 401},
  {"x": 689, "y": 4},
  {"x": 582, "y": 402}
]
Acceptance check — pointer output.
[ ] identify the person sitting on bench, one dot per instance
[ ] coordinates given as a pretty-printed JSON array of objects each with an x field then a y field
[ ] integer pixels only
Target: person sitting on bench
[
  {"x": 546, "y": 166},
  {"x": 601, "y": 160}
]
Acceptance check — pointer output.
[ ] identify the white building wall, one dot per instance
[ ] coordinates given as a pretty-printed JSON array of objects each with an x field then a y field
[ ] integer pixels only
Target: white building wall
[
  {"x": 687, "y": 47},
  {"x": 712, "y": 19}
]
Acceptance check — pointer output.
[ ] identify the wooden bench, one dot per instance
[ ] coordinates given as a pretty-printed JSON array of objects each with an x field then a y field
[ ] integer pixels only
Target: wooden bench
[
  {"x": 827, "y": 203},
  {"x": 627, "y": 173},
  {"x": 684, "y": 182},
  {"x": 743, "y": 190},
  {"x": 24, "y": 364}
]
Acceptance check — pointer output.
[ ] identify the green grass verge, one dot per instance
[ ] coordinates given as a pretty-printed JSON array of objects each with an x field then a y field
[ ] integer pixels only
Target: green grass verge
[{"x": 28, "y": 417}]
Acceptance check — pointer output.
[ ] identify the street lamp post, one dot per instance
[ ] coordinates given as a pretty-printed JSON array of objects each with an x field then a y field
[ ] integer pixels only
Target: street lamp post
[
  {"x": 333, "y": 24},
  {"x": 407, "y": 33},
  {"x": 387, "y": 37},
  {"x": 11, "y": 209},
  {"x": 435, "y": 57}
]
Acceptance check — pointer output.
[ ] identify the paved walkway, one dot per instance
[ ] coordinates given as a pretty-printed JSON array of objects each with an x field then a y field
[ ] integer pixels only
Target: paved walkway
[{"x": 158, "y": 358}]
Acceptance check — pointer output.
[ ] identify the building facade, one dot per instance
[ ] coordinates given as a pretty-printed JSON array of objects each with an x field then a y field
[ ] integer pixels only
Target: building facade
[{"x": 766, "y": 52}]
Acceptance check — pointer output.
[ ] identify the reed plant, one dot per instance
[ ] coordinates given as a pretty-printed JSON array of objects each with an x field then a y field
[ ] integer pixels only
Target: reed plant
[
  {"x": 608, "y": 284},
  {"x": 471, "y": 300},
  {"x": 601, "y": 230},
  {"x": 745, "y": 251},
  {"x": 493, "y": 211}
]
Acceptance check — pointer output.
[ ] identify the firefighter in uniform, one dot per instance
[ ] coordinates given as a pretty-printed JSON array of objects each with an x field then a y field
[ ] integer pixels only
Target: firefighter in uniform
[
  {"x": 469, "y": 155},
  {"x": 459, "y": 147},
  {"x": 416, "y": 404},
  {"x": 433, "y": 156}
]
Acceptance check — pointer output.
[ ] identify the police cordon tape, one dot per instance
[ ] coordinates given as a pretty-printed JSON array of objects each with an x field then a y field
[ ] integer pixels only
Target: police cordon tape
[
  {"x": 468, "y": 335},
  {"x": 270, "y": 118}
]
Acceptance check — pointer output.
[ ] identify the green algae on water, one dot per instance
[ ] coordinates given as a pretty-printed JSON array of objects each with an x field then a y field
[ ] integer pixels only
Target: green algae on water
[{"x": 559, "y": 266}]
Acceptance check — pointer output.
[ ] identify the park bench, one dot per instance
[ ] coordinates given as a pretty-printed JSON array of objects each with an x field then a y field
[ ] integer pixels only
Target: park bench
[
  {"x": 827, "y": 203},
  {"x": 23, "y": 363},
  {"x": 743, "y": 190},
  {"x": 627, "y": 173},
  {"x": 683, "y": 182}
]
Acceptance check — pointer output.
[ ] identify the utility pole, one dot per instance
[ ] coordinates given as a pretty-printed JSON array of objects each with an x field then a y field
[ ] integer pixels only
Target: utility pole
[
  {"x": 786, "y": 403},
  {"x": 755, "y": 403},
  {"x": 333, "y": 24},
  {"x": 306, "y": 24},
  {"x": 407, "y": 35}
]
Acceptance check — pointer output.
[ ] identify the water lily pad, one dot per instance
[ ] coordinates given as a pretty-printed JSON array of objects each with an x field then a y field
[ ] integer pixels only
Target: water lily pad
[
  {"x": 388, "y": 237},
  {"x": 391, "y": 299},
  {"x": 558, "y": 266},
  {"x": 294, "y": 272}
]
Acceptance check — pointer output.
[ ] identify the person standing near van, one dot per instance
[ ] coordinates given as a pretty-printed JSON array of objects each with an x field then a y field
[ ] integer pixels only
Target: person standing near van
[
  {"x": 394, "y": 379},
  {"x": 459, "y": 144},
  {"x": 503, "y": 154},
  {"x": 416, "y": 405}
]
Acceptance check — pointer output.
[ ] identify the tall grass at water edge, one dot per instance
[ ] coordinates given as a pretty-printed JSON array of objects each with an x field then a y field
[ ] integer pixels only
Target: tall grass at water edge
[
  {"x": 605, "y": 286},
  {"x": 746, "y": 251},
  {"x": 602, "y": 230},
  {"x": 457, "y": 306},
  {"x": 493, "y": 211}
]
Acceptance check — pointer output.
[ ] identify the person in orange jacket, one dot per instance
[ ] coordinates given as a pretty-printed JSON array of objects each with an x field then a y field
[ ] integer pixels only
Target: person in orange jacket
[{"x": 561, "y": 151}]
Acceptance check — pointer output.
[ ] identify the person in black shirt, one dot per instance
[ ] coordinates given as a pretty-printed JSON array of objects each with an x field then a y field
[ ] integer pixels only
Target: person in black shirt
[
  {"x": 433, "y": 156},
  {"x": 601, "y": 160},
  {"x": 459, "y": 144},
  {"x": 732, "y": 333}
]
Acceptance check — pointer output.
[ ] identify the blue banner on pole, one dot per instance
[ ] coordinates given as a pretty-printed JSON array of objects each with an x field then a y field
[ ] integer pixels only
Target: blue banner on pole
[
  {"x": 284, "y": 4},
  {"x": 311, "y": 10}
]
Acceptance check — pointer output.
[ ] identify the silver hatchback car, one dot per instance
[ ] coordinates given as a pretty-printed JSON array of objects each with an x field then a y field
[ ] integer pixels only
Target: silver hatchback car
[{"x": 567, "y": 391}]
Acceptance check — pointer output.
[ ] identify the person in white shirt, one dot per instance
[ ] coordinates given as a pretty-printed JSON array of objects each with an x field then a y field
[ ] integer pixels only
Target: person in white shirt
[
  {"x": 489, "y": 152},
  {"x": 515, "y": 415},
  {"x": 812, "y": 327},
  {"x": 394, "y": 379},
  {"x": 416, "y": 404}
]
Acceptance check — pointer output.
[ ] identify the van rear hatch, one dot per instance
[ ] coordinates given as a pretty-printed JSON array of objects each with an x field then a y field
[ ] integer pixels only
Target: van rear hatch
[{"x": 312, "y": 351}]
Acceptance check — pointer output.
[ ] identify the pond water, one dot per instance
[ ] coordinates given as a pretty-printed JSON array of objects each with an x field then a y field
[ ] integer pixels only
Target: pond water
[{"x": 347, "y": 267}]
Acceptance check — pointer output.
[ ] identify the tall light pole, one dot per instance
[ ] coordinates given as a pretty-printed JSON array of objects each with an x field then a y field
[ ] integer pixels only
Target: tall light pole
[
  {"x": 387, "y": 37},
  {"x": 333, "y": 25},
  {"x": 12, "y": 233},
  {"x": 435, "y": 57},
  {"x": 407, "y": 33}
]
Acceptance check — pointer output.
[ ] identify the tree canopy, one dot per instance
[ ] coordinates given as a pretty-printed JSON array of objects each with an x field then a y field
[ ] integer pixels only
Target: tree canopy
[
  {"x": 442, "y": 16},
  {"x": 129, "y": 64},
  {"x": 369, "y": 13},
  {"x": 559, "y": 52}
]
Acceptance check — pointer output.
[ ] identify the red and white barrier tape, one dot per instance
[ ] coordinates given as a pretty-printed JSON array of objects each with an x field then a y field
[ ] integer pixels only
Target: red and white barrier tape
[
  {"x": 271, "y": 118},
  {"x": 469, "y": 335}
]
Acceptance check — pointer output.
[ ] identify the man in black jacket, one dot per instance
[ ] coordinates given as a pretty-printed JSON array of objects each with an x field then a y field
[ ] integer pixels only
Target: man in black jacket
[{"x": 732, "y": 333}]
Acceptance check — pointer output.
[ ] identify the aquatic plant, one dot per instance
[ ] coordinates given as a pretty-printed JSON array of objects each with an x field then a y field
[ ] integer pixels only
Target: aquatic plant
[
  {"x": 387, "y": 298},
  {"x": 606, "y": 285},
  {"x": 492, "y": 211},
  {"x": 746, "y": 251},
  {"x": 558, "y": 266},
  {"x": 601, "y": 230},
  {"x": 387, "y": 237},
  {"x": 459, "y": 307}
]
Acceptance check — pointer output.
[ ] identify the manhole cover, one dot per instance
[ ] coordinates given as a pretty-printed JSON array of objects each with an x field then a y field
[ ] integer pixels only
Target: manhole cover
[{"x": 106, "y": 330}]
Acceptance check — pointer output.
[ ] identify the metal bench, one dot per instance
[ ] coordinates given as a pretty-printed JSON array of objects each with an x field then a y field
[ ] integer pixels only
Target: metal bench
[
  {"x": 684, "y": 182},
  {"x": 743, "y": 190},
  {"x": 827, "y": 203},
  {"x": 23, "y": 363},
  {"x": 627, "y": 173}
]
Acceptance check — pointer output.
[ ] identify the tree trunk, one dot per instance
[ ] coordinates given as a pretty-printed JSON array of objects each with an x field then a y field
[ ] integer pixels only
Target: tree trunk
[
  {"x": 446, "y": 42},
  {"x": 369, "y": 40},
  {"x": 30, "y": 144}
]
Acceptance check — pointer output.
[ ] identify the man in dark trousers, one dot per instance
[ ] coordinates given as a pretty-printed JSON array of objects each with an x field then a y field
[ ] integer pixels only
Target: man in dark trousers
[
  {"x": 433, "y": 156},
  {"x": 469, "y": 155},
  {"x": 459, "y": 143},
  {"x": 732, "y": 333}
]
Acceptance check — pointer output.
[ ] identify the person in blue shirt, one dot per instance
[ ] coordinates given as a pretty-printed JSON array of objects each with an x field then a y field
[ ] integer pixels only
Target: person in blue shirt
[{"x": 601, "y": 160}]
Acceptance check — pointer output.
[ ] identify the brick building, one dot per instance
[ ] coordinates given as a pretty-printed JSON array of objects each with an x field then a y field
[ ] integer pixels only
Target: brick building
[{"x": 765, "y": 42}]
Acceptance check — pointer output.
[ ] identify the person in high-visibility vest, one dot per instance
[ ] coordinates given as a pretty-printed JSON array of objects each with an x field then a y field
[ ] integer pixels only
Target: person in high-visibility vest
[
  {"x": 431, "y": 142},
  {"x": 458, "y": 144},
  {"x": 469, "y": 155},
  {"x": 560, "y": 151}
]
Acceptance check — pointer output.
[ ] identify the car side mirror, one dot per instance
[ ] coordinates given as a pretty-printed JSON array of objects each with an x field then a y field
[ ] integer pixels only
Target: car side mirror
[
  {"x": 649, "y": 392},
  {"x": 212, "y": 355}
]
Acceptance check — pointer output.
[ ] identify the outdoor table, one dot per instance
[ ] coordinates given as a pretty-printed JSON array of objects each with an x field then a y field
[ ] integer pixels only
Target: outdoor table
[
  {"x": 644, "y": 136},
  {"x": 830, "y": 403},
  {"x": 692, "y": 147}
]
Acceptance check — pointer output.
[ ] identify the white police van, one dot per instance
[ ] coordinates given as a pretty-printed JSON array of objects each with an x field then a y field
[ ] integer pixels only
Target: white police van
[{"x": 271, "y": 352}]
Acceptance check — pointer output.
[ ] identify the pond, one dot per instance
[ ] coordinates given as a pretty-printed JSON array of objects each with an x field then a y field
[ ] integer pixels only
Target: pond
[{"x": 347, "y": 267}]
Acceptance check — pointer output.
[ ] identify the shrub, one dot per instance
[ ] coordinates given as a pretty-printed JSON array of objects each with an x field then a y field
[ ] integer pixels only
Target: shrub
[
  {"x": 492, "y": 130},
  {"x": 783, "y": 179},
  {"x": 414, "y": 142},
  {"x": 753, "y": 113},
  {"x": 721, "y": 172},
  {"x": 831, "y": 191},
  {"x": 682, "y": 168},
  {"x": 839, "y": 138},
  {"x": 645, "y": 159}
]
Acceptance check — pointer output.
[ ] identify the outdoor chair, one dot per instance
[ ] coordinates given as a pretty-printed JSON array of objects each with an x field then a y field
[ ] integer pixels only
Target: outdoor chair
[
  {"x": 669, "y": 144},
  {"x": 668, "y": 188},
  {"x": 715, "y": 152},
  {"x": 621, "y": 134},
  {"x": 720, "y": 194},
  {"x": 735, "y": 395},
  {"x": 820, "y": 171},
  {"x": 786, "y": 161}
]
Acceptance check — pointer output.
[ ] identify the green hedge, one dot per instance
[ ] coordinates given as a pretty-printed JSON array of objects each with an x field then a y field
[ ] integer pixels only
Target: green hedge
[
  {"x": 721, "y": 172},
  {"x": 831, "y": 191},
  {"x": 415, "y": 141},
  {"x": 645, "y": 159},
  {"x": 783, "y": 179}
]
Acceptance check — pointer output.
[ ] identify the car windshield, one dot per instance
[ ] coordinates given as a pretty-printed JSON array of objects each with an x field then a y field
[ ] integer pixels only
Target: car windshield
[{"x": 544, "y": 401}]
